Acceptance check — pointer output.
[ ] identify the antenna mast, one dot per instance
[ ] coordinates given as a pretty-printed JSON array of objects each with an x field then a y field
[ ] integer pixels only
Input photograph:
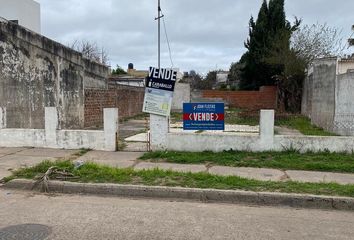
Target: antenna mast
[{"x": 159, "y": 16}]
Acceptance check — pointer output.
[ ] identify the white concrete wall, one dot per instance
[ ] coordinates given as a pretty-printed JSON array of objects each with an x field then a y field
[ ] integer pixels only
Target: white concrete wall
[
  {"x": 344, "y": 105},
  {"x": 229, "y": 141},
  {"x": 328, "y": 95},
  {"x": 27, "y": 12},
  {"x": 265, "y": 141},
  {"x": 51, "y": 137},
  {"x": 181, "y": 95}
]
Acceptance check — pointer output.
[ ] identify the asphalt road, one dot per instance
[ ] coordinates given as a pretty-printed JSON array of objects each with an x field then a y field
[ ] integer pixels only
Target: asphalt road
[{"x": 90, "y": 217}]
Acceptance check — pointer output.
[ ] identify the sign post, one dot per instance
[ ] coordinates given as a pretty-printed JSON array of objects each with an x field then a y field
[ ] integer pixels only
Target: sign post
[{"x": 160, "y": 86}]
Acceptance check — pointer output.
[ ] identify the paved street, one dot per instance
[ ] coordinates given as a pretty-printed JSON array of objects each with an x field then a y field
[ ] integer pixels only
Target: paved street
[{"x": 89, "y": 217}]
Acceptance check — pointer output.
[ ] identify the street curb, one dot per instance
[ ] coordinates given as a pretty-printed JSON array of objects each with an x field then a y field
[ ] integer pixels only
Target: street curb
[{"x": 204, "y": 195}]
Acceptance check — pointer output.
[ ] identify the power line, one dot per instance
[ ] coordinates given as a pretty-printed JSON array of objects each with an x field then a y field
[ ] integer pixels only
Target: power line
[{"x": 168, "y": 41}]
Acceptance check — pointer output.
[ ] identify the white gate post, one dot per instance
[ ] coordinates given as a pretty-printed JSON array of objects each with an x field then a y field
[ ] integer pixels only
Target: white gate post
[
  {"x": 159, "y": 127},
  {"x": 2, "y": 117},
  {"x": 266, "y": 129},
  {"x": 110, "y": 128},
  {"x": 51, "y": 122}
]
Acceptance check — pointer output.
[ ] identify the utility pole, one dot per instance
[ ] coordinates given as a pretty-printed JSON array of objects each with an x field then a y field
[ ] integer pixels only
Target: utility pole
[{"x": 159, "y": 16}]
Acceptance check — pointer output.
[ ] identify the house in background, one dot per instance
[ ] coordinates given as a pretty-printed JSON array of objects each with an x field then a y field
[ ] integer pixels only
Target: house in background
[
  {"x": 222, "y": 77},
  {"x": 133, "y": 77},
  {"x": 26, "y": 13}
]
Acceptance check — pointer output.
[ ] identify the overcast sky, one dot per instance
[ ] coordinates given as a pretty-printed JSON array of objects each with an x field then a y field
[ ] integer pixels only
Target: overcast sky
[{"x": 204, "y": 34}]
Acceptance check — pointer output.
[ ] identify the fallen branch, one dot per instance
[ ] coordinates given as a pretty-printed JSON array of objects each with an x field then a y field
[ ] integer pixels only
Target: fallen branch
[{"x": 52, "y": 171}]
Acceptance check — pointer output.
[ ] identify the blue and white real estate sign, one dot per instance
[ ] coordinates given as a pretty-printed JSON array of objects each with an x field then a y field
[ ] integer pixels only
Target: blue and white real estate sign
[
  {"x": 159, "y": 90},
  {"x": 204, "y": 116}
]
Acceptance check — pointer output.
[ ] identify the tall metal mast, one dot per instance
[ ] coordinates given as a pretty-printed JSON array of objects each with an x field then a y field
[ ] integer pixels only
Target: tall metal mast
[{"x": 159, "y": 16}]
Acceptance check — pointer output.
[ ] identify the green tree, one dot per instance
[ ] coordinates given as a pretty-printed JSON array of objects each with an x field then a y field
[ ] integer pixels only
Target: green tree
[
  {"x": 235, "y": 74},
  {"x": 293, "y": 72},
  {"x": 271, "y": 27},
  {"x": 119, "y": 71},
  {"x": 254, "y": 73},
  {"x": 208, "y": 82}
]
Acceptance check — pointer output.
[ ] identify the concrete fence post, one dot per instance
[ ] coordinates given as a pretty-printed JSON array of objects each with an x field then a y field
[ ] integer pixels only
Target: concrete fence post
[
  {"x": 2, "y": 117},
  {"x": 110, "y": 128},
  {"x": 51, "y": 120},
  {"x": 159, "y": 127},
  {"x": 266, "y": 129}
]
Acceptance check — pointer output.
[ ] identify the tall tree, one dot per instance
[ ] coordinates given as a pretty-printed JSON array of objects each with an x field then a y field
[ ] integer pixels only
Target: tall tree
[
  {"x": 271, "y": 27},
  {"x": 252, "y": 75},
  {"x": 277, "y": 17}
]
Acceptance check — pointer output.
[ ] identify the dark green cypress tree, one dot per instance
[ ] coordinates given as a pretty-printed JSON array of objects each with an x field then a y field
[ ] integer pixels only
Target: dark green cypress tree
[
  {"x": 277, "y": 19},
  {"x": 252, "y": 75},
  {"x": 270, "y": 29}
]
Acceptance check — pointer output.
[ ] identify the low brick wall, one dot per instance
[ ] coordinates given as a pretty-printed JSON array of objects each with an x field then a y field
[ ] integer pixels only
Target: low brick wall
[
  {"x": 265, "y": 98},
  {"x": 129, "y": 101}
]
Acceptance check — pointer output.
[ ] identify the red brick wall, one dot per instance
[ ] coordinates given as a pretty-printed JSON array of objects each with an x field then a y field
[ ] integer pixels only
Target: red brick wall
[
  {"x": 265, "y": 98},
  {"x": 129, "y": 101}
]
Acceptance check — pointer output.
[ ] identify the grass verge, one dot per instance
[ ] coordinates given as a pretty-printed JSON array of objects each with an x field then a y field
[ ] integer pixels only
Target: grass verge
[
  {"x": 289, "y": 160},
  {"x": 93, "y": 173}
]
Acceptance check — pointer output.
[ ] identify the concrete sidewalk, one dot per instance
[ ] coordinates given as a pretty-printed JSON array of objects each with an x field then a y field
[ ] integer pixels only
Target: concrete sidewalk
[
  {"x": 131, "y": 159},
  {"x": 14, "y": 158}
]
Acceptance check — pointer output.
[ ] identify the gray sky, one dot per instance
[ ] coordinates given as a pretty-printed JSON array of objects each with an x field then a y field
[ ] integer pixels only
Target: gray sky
[{"x": 204, "y": 34}]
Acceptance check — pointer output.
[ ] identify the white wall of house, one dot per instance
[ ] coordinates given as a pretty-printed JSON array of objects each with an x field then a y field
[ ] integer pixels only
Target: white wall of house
[
  {"x": 221, "y": 77},
  {"x": 27, "y": 12}
]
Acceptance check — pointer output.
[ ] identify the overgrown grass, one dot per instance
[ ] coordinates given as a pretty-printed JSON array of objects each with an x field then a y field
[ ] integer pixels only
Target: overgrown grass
[
  {"x": 234, "y": 116},
  {"x": 93, "y": 173},
  {"x": 289, "y": 160},
  {"x": 303, "y": 125}
]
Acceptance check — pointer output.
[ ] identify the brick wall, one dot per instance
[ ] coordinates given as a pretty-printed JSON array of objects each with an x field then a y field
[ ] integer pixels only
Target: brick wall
[
  {"x": 129, "y": 101},
  {"x": 265, "y": 98}
]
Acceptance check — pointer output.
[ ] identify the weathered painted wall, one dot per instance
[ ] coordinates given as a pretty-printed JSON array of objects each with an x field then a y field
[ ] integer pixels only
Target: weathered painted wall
[
  {"x": 344, "y": 111},
  {"x": 323, "y": 93},
  {"x": 328, "y": 95},
  {"x": 36, "y": 72},
  {"x": 51, "y": 137}
]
